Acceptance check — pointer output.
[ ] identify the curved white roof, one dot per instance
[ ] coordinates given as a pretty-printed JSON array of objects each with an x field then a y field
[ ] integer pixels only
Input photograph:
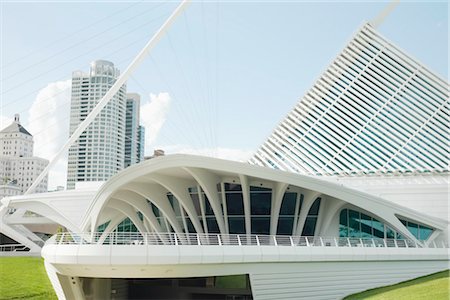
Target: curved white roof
[{"x": 132, "y": 189}]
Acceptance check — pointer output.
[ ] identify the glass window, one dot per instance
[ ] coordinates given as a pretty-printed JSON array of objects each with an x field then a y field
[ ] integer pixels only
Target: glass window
[
  {"x": 208, "y": 209},
  {"x": 424, "y": 232},
  {"x": 311, "y": 219},
  {"x": 414, "y": 229},
  {"x": 236, "y": 224},
  {"x": 310, "y": 226},
  {"x": 260, "y": 225},
  {"x": 366, "y": 226},
  {"x": 155, "y": 210},
  {"x": 260, "y": 203},
  {"x": 354, "y": 224},
  {"x": 190, "y": 226},
  {"x": 343, "y": 223},
  {"x": 390, "y": 233},
  {"x": 235, "y": 205},
  {"x": 288, "y": 204},
  {"x": 378, "y": 228},
  {"x": 196, "y": 202},
  {"x": 232, "y": 187},
  {"x": 213, "y": 227},
  {"x": 419, "y": 231},
  {"x": 314, "y": 211},
  {"x": 285, "y": 225}
]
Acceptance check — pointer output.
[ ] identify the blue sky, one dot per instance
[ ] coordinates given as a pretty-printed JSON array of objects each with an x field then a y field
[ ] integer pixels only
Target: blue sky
[{"x": 232, "y": 70}]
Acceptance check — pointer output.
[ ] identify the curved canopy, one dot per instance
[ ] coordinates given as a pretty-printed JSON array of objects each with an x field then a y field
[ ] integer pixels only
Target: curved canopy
[{"x": 185, "y": 193}]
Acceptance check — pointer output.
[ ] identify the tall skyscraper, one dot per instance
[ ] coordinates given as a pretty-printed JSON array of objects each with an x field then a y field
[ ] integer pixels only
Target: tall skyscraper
[
  {"x": 141, "y": 138},
  {"x": 374, "y": 111},
  {"x": 100, "y": 151},
  {"x": 112, "y": 141},
  {"x": 18, "y": 167},
  {"x": 133, "y": 140}
]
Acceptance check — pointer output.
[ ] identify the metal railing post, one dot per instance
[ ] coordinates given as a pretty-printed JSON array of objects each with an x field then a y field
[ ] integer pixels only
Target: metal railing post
[
  {"x": 348, "y": 241},
  {"x": 239, "y": 240},
  {"x": 219, "y": 241},
  {"x": 275, "y": 240},
  {"x": 292, "y": 241},
  {"x": 307, "y": 242},
  {"x": 175, "y": 239},
  {"x": 321, "y": 241},
  {"x": 198, "y": 240},
  {"x": 257, "y": 241}
]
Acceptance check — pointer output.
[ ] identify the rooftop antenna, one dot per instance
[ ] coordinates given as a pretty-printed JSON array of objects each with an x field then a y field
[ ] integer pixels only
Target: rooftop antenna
[
  {"x": 112, "y": 91},
  {"x": 384, "y": 13}
]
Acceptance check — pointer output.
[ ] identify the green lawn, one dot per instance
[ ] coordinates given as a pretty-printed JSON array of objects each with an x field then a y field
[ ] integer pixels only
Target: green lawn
[
  {"x": 24, "y": 278},
  {"x": 232, "y": 282},
  {"x": 432, "y": 287}
]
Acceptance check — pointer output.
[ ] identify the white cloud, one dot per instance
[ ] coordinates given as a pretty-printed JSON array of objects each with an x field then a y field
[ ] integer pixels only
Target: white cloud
[
  {"x": 5, "y": 121},
  {"x": 153, "y": 115},
  {"x": 219, "y": 152},
  {"x": 49, "y": 123}
]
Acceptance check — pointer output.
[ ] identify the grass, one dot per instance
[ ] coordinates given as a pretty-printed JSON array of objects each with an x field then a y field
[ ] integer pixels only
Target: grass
[
  {"x": 24, "y": 278},
  {"x": 434, "y": 287},
  {"x": 231, "y": 282}
]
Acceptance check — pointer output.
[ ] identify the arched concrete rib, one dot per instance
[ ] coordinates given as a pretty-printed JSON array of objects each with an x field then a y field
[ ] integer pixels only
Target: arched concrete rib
[
  {"x": 308, "y": 200},
  {"x": 333, "y": 206},
  {"x": 277, "y": 198},
  {"x": 179, "y": 188},
  {"x": 107, "y": 214},
  {"x": 47, "y": 211},
  {"x": 246, "y": 198},
  {"x": 129, "y": 211},
  {"x": 158, "y": 196},
  {"x": 385, "y": 211},
  {"x": 12, "y": 233},
  {"x": 141, "y": 205},
  {"x": 208, "y": 182},
  {"x": 116, "y": 220}
]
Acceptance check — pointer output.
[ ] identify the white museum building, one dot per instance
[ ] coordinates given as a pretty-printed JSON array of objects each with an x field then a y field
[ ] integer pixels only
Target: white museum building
[{"x": 350, "y": 192}]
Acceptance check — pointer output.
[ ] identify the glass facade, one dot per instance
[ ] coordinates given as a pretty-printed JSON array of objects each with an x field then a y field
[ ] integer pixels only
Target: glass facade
[
  {"x": 420, "y": 232},
  {"x": 356, "y": 224},
  {"x": 235, "y": 208},
  {"x": 288, "y": 213},
  {"x": 311, "y": 220},
  {"x": 260, "y": 208}
]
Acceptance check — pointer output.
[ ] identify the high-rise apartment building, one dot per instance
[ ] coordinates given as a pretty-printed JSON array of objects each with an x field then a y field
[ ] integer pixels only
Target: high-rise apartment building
[
  {"x": 18, "y": 167},
  {"x": 134, "y": 141},
  {"x": 111, "y": 142},
  {"x": 141, "y": 138}
]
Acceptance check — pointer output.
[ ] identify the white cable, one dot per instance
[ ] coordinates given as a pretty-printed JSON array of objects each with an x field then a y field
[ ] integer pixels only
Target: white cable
[{"x": 112, "y": 91}]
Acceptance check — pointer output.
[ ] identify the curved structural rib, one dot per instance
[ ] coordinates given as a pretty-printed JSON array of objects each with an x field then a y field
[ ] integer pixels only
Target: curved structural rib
[{"x": 198, "y": 194}]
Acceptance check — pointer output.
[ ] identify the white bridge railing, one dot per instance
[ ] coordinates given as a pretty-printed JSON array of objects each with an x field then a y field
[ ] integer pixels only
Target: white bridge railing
[
  {"x": 153, "y": 238},
  {"x": 13, "y": 248}
]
